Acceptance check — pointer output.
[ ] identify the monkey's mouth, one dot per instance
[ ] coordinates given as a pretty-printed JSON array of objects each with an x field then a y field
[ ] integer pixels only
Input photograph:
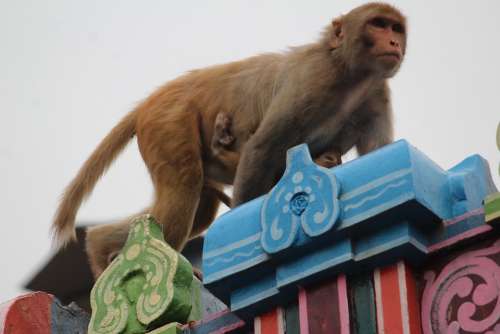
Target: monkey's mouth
[{"x": 389, "y": 55}]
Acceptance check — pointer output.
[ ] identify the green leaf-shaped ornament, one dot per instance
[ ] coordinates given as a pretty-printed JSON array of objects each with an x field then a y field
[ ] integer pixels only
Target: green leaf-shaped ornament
[{"x": 146, "y": 286}]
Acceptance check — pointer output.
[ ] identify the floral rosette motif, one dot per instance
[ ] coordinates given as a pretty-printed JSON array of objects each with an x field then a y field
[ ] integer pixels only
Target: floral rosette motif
[
  {"x": 465, "y": 296},
  {"x": 306, "y": 197}
]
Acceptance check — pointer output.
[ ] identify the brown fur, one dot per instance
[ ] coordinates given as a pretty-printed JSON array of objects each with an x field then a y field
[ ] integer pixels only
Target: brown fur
[{"x": 331, "y": 94}]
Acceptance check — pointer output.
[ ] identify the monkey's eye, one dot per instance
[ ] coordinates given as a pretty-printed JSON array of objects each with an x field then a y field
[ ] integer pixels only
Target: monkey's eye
[
  {"x": 379, "y": 22},
  {"x": 398, "y": 28}
]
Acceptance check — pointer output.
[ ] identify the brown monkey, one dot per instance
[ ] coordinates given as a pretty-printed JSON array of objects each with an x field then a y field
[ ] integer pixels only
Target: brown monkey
[{"x": 332, "y": 93}]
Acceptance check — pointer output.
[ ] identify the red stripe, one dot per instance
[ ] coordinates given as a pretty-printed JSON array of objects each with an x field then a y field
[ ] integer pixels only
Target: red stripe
[
  {"x": 390, "y": 294},
  {"x": 413, "y": 301},
  {"x": 269, "y": 322},
  {"x": 394, "y": 317}
]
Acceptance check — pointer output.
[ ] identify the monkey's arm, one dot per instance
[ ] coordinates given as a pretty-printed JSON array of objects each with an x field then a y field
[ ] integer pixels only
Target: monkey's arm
[
  {"x": 263, "y": 156},
  {"x": 379, "y": 131}
]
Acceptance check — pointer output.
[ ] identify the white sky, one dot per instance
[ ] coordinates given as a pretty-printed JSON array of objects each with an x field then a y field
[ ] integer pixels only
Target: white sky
[{"x": 69, "y": 70}]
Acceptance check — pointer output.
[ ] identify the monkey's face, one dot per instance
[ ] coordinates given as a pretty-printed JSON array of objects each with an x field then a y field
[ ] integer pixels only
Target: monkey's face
[
  {"x": 371, "y": 38},
  {"x": 384, "y": 42}
]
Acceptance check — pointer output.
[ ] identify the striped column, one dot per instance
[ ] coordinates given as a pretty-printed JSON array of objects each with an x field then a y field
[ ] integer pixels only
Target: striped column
[
  {"x": 324, "y": 308},
  {"x": 396, "y": 299},
  {"x": 270, "y": 323}
]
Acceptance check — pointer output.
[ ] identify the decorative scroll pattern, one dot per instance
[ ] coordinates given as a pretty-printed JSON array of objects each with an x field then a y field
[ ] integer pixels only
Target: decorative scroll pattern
[
  {"x": 148, "y": 282},
  {"x": 465, "y": 296},
  {"x": 305, "y": 196}
]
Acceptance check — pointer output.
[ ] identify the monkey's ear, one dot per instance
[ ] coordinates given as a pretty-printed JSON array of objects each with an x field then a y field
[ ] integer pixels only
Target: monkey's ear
[{"x": 337, "y": 34}]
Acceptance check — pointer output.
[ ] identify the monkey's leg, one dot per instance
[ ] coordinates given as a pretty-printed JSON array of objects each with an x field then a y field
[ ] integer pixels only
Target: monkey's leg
[
  {"x": 171, "y": 148},
  {"x": 104, "y": 242},
  {"x": 205, "y": 214},
  {"x": 207, "y": 209}
]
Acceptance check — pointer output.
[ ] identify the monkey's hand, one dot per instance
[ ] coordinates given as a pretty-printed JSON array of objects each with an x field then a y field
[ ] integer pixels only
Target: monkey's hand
[{"x": 329, "y": 159}]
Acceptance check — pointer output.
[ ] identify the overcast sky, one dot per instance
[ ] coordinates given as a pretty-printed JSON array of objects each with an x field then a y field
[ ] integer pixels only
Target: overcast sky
[{"x": 69, "y": 70}]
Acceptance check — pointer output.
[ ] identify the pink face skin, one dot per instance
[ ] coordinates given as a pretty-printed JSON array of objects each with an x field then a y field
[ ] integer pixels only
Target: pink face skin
[{"x": 387, "y": 36}]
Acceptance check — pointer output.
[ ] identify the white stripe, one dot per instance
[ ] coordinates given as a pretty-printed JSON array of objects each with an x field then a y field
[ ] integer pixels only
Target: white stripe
[
  {"x": 232, "y": 270},
  {"x": 231, "y": 247},
  {"x": 403, "y": 297},
  {"x": 390, "y": 245},
  {"x": 317, "y": 268},
  {"x": 256, "y": 325},
  {"x": 375, "y": 183},
  {"x": 281, "y": 321},
  {"x": 211, "y": 262},
  {"x": 377, "y": 209},
  {"x": 374, "y": 196},
  {"x": 253, "y": 299},
  {"x": 378, "y": 301}
]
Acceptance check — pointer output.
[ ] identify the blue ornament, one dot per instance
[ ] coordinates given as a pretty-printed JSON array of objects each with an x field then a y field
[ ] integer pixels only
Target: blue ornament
[{"x": 306, "y": 197}]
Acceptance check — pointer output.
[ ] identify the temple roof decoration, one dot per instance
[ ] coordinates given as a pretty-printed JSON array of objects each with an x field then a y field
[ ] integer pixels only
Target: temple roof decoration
[{"x": 391, "y": 203}]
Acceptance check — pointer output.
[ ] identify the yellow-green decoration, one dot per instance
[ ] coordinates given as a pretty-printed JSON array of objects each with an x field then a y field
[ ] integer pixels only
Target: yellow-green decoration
[
  {"x": 146, "y": 286},
  {"x": 492, "y": 202},
  {"x": 492, "y": 208}
]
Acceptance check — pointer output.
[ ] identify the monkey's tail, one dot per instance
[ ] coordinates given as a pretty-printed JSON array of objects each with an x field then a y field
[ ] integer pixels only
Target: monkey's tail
[{"x": 63, "y": 226}]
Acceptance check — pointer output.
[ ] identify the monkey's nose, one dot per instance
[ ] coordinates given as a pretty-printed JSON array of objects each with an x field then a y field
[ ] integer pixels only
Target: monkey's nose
[{"x": 394, "y": 43}]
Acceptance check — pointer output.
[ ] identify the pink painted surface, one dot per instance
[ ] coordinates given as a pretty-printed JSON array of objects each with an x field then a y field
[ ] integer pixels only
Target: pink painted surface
[
  {"x": 466, "y": 215},
  {"x": 466, "y": 235},
  {"x": 209, "y": 318},
  {"x": 304, "y": 322},
  {"x": 228, "y": 328},
  {"x": 343, "y": 304},
  {"x": 465, "y": 295}
]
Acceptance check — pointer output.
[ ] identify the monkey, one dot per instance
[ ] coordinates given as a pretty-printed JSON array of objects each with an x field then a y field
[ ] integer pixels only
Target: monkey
[{"x": 332, "y": 94}]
